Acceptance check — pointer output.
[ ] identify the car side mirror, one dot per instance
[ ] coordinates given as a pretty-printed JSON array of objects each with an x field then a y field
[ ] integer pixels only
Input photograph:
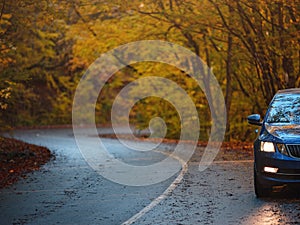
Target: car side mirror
[{"x": 254, "y": 119}]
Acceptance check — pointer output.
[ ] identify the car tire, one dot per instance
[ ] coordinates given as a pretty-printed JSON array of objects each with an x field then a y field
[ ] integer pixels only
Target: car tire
[{"x": 260, "y": 190}]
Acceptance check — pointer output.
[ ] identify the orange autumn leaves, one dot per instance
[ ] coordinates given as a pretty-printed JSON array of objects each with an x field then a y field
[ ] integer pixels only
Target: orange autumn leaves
[{"x": 18, "y": 158}]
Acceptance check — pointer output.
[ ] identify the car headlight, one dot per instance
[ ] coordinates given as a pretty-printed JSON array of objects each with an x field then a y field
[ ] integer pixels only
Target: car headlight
[
  {"x": 267, "y": 147},
  {"x": 282, "y": 149}
]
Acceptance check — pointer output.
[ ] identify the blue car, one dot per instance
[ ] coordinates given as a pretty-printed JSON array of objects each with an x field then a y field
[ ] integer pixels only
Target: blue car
[{"x": 277, "y": 148}]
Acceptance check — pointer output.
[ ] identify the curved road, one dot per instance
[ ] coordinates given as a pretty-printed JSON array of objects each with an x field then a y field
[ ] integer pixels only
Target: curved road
[{"x": 68, "y": 191}]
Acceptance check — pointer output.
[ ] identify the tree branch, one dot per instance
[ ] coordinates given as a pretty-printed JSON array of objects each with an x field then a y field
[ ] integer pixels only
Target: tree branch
[
  {"x": 84, "y": 21},
  {"x": 2, "y": 10}
]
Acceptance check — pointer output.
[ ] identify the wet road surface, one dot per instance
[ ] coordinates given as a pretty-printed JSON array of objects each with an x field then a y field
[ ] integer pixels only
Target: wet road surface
[{"x": 68, "y": 191}]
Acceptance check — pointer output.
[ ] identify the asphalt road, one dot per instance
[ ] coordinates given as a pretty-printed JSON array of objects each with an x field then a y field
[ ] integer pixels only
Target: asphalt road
[{"x": 68, "y": 191}]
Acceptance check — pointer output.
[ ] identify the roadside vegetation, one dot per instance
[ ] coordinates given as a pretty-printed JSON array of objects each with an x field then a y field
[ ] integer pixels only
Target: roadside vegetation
[
  {"x": 46, "y": 46},
  {"x": 18, "y": 158}
]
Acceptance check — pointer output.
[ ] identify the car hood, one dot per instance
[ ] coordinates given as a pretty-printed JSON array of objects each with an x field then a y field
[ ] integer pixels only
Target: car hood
[{"x": 286, "y": 133}]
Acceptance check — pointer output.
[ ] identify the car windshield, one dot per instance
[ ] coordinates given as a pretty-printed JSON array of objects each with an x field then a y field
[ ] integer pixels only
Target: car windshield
[{"x": 285, "y": 108}]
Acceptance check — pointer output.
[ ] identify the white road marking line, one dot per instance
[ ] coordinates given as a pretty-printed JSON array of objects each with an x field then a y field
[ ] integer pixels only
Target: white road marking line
[
  {"x": 172, "y": 187},
  {"x": 164, "y": 195}
]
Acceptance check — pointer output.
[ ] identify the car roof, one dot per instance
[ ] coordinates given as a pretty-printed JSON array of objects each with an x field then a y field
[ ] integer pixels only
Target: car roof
[{"x": 289, "y": 91}]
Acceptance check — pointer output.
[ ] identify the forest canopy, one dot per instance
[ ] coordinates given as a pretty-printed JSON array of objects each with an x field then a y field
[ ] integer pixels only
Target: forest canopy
[{"x": 252, "y": 46}]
